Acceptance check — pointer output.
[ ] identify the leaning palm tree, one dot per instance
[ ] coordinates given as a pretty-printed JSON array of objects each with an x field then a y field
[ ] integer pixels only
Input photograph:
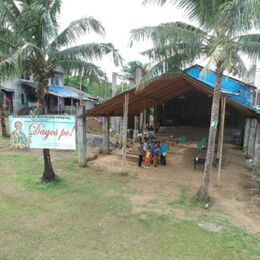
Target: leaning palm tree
[
  {"x": 31, "y": 32},
  {"x": 220, "y": 37}
]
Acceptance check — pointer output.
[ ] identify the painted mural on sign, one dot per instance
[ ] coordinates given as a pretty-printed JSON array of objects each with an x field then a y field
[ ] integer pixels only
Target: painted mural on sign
[{"x": 43, "y": 132}]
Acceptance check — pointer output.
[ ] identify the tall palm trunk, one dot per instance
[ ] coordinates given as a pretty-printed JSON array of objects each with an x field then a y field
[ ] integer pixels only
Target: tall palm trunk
[
  {"x": 3, "y": 125},
  {"x": 2, "y": 115},
  {"x": 203, "y": 190},
  {"x": 48, "y": 173}
]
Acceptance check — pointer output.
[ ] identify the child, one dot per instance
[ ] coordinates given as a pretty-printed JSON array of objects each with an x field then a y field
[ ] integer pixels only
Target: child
[
  {"x": 163, "y": 152},
  {"x": 145, "y": 145},
  {"x": 140, "y": 154},
  {"x": 147, "y": 158},
  {"x": 156, "y": 153}
]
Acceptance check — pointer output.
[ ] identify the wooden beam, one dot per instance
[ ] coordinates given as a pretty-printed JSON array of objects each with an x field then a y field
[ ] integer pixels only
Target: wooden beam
[{"x": 222, "y": 124}]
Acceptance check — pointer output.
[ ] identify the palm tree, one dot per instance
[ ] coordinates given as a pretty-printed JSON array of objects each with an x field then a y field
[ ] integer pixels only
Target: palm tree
[
  {"x": 31, "y": 32},
  {"x": 221, "y": 37},
  {"x": 129, "y": 71}
]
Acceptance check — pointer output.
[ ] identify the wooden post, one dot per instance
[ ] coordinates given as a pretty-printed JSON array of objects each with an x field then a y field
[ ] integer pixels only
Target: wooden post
[
  {"x": 82, "y": 136},
  {"x": 71, "y": 106},
  {"x": 125, "y": 121},
  {"x": 222, "y": 124},
  {"x": 106, "y": 135},
  {"x": 141, "y": 123},
  {"x": 135, "y": 128}
]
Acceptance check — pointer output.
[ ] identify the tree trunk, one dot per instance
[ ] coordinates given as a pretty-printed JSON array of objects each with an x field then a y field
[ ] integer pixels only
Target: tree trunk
[
  {"x": 48, "y": 173},
  {"x": 202, "y": 193},
  {"x": 3, "y": 125}
]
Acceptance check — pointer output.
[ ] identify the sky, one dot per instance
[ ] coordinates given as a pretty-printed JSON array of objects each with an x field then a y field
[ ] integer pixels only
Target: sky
[{"x": 119, "y": 17}]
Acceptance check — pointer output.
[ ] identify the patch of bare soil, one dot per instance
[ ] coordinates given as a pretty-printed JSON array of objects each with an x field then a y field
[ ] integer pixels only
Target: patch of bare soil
[{"x": 157, "y": 188}]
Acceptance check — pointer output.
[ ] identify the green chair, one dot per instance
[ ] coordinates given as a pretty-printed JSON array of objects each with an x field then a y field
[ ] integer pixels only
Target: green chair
[
  {"x": 183, "y": 139},
  {"x": 199, "y": 145}
]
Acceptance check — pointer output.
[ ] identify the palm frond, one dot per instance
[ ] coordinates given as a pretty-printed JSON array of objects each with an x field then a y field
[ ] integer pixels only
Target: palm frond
[
  {"x": 238, "y": 66},
  {"x": 159, "y": 2},
  {"x": 7, "y": 13},
  {"x": 14, "y": 63},
  {"x": 75, "y": 30},
  {"x": 90, "y": 51},
  {"x": 239, "y": 16},
  {"x": 164, "y": 34},
  {"x": 81, "y": 68},
  {"x": 250, "y": 45}
]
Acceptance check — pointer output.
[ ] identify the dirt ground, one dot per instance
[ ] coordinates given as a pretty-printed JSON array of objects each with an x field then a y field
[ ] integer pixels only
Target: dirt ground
[{"x": 235, "y": 199}]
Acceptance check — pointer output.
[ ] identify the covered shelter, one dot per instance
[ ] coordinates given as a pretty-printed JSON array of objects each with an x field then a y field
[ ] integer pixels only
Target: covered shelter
[
  {"x": 184, "y": 96},
  {"x": 169, "y": 86}
]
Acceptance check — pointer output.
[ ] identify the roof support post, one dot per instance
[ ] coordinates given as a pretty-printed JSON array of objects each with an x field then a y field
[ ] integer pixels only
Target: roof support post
[
  {"x": 222, "y": 124},
  {"x": 256, "y": 157},
  {"x": 106, "y": 134},
  {"x": 141, "y": 124},
  {"x": 246, "y": 136},
  {"x": 82, "y": 136},
  {"x": 71, "y": 106},
  {"x": 135, "y": 133},
  {"x": 251, "y": 139},
  {"x": 125, "y": 122}
]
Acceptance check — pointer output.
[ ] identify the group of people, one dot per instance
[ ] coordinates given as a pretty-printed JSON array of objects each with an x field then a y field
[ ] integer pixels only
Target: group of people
[{"x": 151, "y": 152}]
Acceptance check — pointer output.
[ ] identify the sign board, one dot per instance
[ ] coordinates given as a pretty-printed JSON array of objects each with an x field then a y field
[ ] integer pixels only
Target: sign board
[{"x": 43, "y": 132}]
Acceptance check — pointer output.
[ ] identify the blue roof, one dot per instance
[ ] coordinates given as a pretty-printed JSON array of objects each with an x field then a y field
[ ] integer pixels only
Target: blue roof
[
  {"x": 233, "y": 89},
  {"x": 62, "y": 92}
]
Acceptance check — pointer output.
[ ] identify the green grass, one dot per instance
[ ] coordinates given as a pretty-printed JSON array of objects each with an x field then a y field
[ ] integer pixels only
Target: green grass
[{"x": 87, "y": 214}]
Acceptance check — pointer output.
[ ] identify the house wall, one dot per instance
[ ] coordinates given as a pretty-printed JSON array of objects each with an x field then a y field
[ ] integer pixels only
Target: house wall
[
  {"x": 252, "y": 142},
  {"x": 15, "y": 85}
]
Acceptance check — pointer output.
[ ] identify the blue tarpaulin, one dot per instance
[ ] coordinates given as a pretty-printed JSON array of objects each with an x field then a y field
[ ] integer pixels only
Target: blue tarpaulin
[
  {"x": 233, "y": 89},
  {"x": 62, "y": 92}
]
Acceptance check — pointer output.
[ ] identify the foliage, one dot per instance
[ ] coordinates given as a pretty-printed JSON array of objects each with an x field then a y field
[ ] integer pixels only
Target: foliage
[
  {"x": 220, "y": 37},
  {"x": 31, "y": 40},
  {"x": 101, "y": 89},
  {"x": 129, "y": 71}
]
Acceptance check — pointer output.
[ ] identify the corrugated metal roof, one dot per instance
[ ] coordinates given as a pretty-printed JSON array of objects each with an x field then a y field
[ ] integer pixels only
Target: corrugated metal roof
[
  {"x": 170, "y": 85},
  {"x": 61, "y": 91},
  {"x": 233, "y": 89}
]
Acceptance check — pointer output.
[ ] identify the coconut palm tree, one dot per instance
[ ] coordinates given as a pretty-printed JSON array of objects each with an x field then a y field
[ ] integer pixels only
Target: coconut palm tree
[
  {"x": 129, "y": 71},
  {"x": 34, "y": 42},
  {"x": 220, "y": 37}
]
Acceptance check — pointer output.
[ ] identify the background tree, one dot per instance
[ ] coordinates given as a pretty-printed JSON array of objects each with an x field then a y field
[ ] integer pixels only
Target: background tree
[
  {"x": 221, "y": 37},
  {"x": 101, "y": 89},
  {"x": 31, "y": 32},
  {"x": 129, "y": 71}
]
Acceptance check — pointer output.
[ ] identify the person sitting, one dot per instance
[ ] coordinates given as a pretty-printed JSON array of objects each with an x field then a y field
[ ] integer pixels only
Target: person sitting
[{"x": 163, "y": 152}]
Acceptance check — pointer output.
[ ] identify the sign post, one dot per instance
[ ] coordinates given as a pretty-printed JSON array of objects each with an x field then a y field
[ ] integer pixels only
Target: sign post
[{"x": 81, "y": 136}]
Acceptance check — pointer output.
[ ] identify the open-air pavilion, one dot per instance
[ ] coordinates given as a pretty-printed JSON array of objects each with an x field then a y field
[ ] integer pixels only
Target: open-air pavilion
[{"x": 184, "y": 98}]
